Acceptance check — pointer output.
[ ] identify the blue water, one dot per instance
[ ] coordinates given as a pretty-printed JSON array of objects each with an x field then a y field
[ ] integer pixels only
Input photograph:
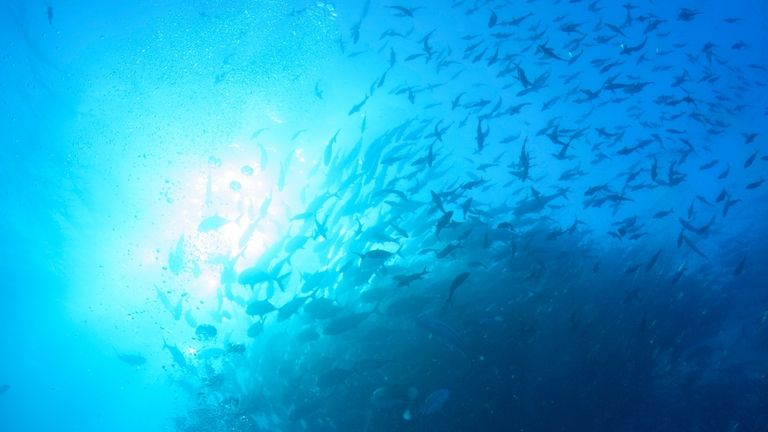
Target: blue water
[{"x": 379, "y": 216}]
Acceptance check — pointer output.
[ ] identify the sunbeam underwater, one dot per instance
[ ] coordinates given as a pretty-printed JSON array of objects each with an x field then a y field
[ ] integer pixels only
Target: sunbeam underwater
[{"x": 490, "y": 215}]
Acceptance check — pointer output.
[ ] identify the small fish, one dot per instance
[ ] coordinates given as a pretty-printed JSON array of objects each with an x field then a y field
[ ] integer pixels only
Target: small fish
[
  {"x": 205, "y": 332},
  {"x": 435, "y": 401},
  {"x": 407, "y": 279},
  {"x": 255, "y": 329},
  {"x": 721, "y": 196},
  {"x": 653, "y": 260},
  {"x": 457, "y": 281},
  {"x": 131, "y": 358},
  {"x": 493, "y": 19},
  {"x": 260, "y": 308},
  {"x": 49, "y": 14},
  {"x": 212, "y": 223},
  {"x": 4, "y": 388},
  {"x": 481, "y": 136},
  {"x": 725, "y": 172},
  {"x": 443, "y": 222},
  {"x": 357, "y": 107},
  {"x": 437, "y": 201},
  {"x": 678, "y": 274},
  {"x": 178, "y": 356},
  {"x": 328, "y": 153},
  {"x": 292, "y": 306},
  {"x": 740, "y": 267},
  {"x": 750, "y": 159},
  {"x": 377, "y": 255},
  {"x": 403, "y": 11},
  {"x": 755, "y": 184}
]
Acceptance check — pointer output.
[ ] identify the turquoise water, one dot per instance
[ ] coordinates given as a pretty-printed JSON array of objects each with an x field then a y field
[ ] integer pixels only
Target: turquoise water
[{"x": 370, "y": 216}]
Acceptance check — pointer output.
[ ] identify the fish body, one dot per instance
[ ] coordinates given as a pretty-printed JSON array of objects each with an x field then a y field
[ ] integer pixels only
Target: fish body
[
  {"x": 176, "y": 354},
  {"x": 132, "y": 359},
  {"x": 260, "y": 308},
  {"x": 407, "y": 279},
  {"x": 435, "y": 401},
  {"x": 212, "y": 223},
  {"x": 206, "y": 332},
  {"x": 456, "y": 283},
  {"x": 443, "y": 222}
]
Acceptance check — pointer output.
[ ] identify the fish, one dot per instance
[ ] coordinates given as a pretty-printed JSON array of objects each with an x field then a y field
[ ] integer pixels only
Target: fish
[
  {"x": 709, "y": 164},
  {"x": 255, "y": 329},
  {"x": 405, "y": 280},
  {"x": 686, "y": 14},
  {"x": 493, "y": 19},
  {"x": 739, "y": 269},
  {"x": 435, "y": 402},
  {"x": 260, "y": 308},
  {"x": 403, "y": 11},
  {"x": 663, "y": 213},
  {"x": 481, "y": 136},
  {"x": 288, "y": 309},
  {"x": 256, "y": 275},
  {"x": 750, "y": 159},
  {"x": 377, "y": 255},
  {"x": 328, "y": 152},
  {"x": 698, "y": 230},
  {"x": 206, "y": 332},
  {"x": 174, "y": 310},
  {"x": 443, "y": 222},
  {"x": 693, "y": 247},
  {"x": 447, "y": 250},
  {"x": 176, "y": 354},
  {"x": 4, "y": 388},
  {"x": 133, "y": 359},
  {"x": 539, "y": 202},
  {"x": 678, "y": 274},
  {"x": 212, "y": 223},
  {"x": 455, "y": 283},
  {"x": 725, "y": 173},
  {"x": 548, "y": 52},
  {"x": 627, "y": 49},
  {"x": 437, "y": 201},
  {"x": 358, "y": 106},
  {"x": 653, "y": 260}
]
